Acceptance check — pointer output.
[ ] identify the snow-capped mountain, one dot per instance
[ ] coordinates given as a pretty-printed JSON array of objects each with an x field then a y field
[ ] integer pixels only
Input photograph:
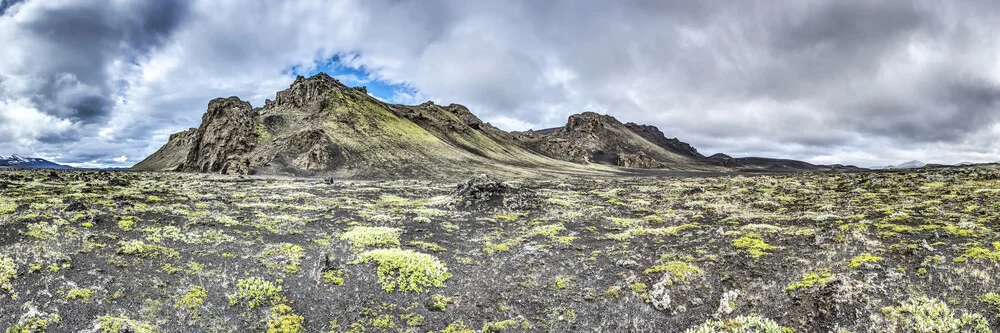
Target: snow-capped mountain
[{"x": 21, "y": 162}]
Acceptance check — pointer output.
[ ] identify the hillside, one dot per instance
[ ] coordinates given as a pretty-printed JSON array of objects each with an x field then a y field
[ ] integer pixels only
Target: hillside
[{"x": 319, "y": 126}]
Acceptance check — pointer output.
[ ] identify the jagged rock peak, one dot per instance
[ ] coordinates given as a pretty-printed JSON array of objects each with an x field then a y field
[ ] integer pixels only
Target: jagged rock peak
[
  {"x": 465, "y": 115},
  {"x": 306, "y": 91},
  {"x": 227, "y": 133},
  {"x": 588, "y": 121}
]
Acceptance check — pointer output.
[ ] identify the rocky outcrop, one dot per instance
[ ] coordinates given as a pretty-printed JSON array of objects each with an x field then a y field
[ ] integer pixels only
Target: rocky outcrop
[
  {"x": 228, "y": 133},
  {"x": 482, "y": 192},
  {"x": 310, "y": 94},
  {"x": 638, "y": 160}
]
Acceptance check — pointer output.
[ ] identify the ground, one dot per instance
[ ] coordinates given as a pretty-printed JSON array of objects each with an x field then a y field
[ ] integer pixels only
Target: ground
[{"x": 896, "y": 251}]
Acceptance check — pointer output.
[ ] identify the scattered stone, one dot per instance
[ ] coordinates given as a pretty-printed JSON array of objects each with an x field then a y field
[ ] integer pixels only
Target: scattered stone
[
  {"x": 482, "y": 192},
  {"x": 76, "y": 206}
]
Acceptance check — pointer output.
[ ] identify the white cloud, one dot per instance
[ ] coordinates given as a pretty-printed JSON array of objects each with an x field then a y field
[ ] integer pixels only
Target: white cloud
[{"x": 825, "y": 81}]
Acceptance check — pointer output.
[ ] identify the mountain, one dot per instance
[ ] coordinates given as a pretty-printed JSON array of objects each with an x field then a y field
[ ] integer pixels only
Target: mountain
[
  {"x": 594, "y": 138},
  {"x": 775, "y": 164},
  {"x": 906, "y": 165},
  {"x": 318, "y": 126},
  {"x": 20, "y": 162}
]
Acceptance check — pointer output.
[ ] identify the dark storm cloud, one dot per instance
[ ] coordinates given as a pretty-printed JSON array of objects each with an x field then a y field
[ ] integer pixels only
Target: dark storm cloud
[
  {"x": 832, "y": 81},
  {"x": 82, "y": 42},
  {"x": 6, "y": 4}
]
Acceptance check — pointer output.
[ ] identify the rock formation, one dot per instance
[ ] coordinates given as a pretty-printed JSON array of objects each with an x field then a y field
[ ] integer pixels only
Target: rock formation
[{"x": 226, "y": 136}]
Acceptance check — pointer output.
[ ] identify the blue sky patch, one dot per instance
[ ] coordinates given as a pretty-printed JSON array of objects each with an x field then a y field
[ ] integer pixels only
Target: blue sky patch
[{"x": 357, "y": 76}]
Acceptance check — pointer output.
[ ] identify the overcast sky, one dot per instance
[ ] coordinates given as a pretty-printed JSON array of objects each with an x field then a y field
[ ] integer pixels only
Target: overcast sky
[{"x": 105, "y": 82}]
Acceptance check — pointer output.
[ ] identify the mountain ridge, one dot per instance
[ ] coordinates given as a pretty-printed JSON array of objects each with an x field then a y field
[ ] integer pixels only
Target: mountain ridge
[
  {"x": 21, "y": 162},
  {"x": 319, "y": 126}
]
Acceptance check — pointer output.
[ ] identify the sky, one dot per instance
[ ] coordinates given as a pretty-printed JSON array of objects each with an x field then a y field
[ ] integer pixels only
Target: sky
[{"x": 105, "y": 82}]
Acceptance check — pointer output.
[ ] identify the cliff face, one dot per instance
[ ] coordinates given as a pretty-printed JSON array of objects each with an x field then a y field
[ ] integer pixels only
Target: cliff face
[{"x": 226, "y": 136}]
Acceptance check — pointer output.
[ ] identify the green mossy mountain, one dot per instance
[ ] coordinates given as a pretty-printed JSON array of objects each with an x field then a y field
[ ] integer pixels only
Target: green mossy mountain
[{"x": 320, "y": 127}]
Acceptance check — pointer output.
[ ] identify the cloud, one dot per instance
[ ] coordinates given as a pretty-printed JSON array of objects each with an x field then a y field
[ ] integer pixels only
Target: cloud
[{"x": 830, "y": 81}]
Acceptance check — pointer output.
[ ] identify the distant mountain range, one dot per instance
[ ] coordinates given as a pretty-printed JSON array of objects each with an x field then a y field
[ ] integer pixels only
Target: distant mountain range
[
  {"x": 906, "y": 165},
  {"x": 318, "y": 126},
  {"x": 20, "y": 162}
]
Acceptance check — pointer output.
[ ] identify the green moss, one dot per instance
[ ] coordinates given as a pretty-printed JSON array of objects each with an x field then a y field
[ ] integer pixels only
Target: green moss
[
  {"x": 127, "y": 222},
  {"x": 7, "y": 207},
  {"x": 283, "y": 320},
  {"x": 638, "y": 287},
  {"x": 753, "y": 244},
  {"x": 563, "y": 282},
  {"x": 978, "y": 253},
  {"x": 192, "y": 301},
  {"x": 361, "y": 237},
  {"x": 812, "y": 279},
  {"x": 254, "y": 292},
  {"x": 335, "y": 277},
  {"x": 413, "y": 319},
  {"x": 507, "y": 218},
  {"x": 139, "y": 249},
  {"x": 679, "y": 269},
  {"x": 439, "y": 302},
  {"x": 8, "y": 272},
  {"x": 924, "y": 314},
  {"x": 458, "y": 327},
  {"x": 491, "y": 247},
  {"x": 510, "y": 325},
  {"x": 43, "y": 230},
  {"x": 862, "y": 259},
  {"x": 428, "y": 246},
  {"x": 34, "y": 324},
  {"x": 406, "y": 270},
  {"x": 752, "y": 323},
  {"x": 80, "y": 294},
  {"x": 109, "y": 324},
  {"x": 384, "y": 321},
  {"x": 284, "y": 257},
  {"x": 262, "y": 134},
  {"x": 992, "y": 299},
  {"x": 613, "y": 292}
]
